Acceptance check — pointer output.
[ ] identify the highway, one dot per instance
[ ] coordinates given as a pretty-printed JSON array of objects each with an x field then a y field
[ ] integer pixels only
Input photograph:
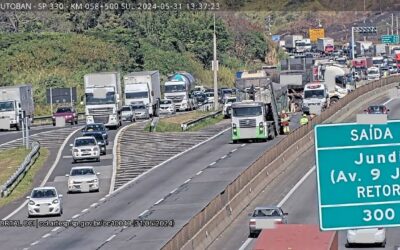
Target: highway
[
  {"x": 73, "y": 204},
  {"x": 176, "y": 190},
  {"x": 301, "y": 203}
]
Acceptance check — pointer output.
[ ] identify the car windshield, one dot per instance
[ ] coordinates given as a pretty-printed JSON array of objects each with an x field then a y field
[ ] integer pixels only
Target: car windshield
[
  {"x": 98, "y": 136},
  {"x": 125, "y": 109},
  {"x": 6, "y": 106},
  {"x": 174, "y": 88},
  {"x": 267, "y": 212},
  {"x": 44, "y": 193},
  {"x": 230, "y": 100},
  {"x": 64, "y": 110},
  {"x": 314, "y": 94},
  {"x": 136, "y": 95},
  {"x": 247, "y": 111},
  {"x": 375, "y": 109},
  {"x": 135, "y": 107},
  {"x": 85, "y": 142},
  {"x": 82, "y": 171},
  {"x": 165, "y": 102},
  {"x": 95, "y": 127},
  {"x": 373, "y": 72}
]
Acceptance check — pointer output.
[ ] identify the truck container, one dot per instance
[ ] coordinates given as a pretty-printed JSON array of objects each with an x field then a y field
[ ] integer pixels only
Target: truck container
[
  {"x": 290, "y": 42},
  {"x": 178, "y": 89},
  {"x": 380, "y": 49},
  {"x": 325, "y": 45},
  {"x": 362, "y": 47},
  {"x": 296, "y": 237},
  {"x": 303, "y": 45},
  {"x": 361, "y": 62},
  {"x": 397, "y": 60},
  {"x": 143, "y": 87},
  {"x": 16, "y": 102},
  {"x": 103, "y": 98}
]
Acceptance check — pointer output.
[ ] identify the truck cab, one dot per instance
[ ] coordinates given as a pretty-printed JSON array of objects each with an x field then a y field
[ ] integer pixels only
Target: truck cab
[
  {"x": 315, "y": 94},
  {"x": 373, "y": 73},
  {"x": 178, "y": 89}
]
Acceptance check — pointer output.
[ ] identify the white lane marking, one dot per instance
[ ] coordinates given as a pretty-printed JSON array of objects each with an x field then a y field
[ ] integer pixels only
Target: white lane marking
[
  {"x": 244, "y": 144},
  {"x": 187, "y": 181},
  {"x": 55, "y": 229},
  {"x": 223, "y": 157},
  {"x": 48, "y": 174},
  {"x": 144, "y": 212},
  {"x": 85, "y": 210},
  {"x": 166, "y": 161},
  {"x": 46, "y": 235},
  {"x": 391, "y": 99},
  {"x": 159, "y": 201},
  {"x": 173, "y": 191},
  {"x": 67, "y": 157},
  {"x": 199, "y": 172},
  {"x": 280, "y": 204},
  {"x": 212, "y": 163},
  {"x": 34, "y": 243},
  {"x": 93, "y": 205},
  {"x": 76, "y": 216},
  {"x": 102, "y": 199},
  {"x": 111, "y": 237},
  {"x": 233, "y": 150},
  {"x": 26, "y": 248}
]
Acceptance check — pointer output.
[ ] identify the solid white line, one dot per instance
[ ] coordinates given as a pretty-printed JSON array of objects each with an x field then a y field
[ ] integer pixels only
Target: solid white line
[
  {"x": 280, "y": 204},
  {"x": 102, "y": 199},
  {"x": 212, "y": 163},
  {"x": 166, "y": 161},
  {"x": 48, "y": 173},
  {"x": 198, "y": 173},
  {"x": 76, "y": 216},
  {"x": 34, "y": 243},
  {"x": 391, "y": 99},
  {"x": 111, "y": 237},
  {"x": 245, "y": 244},
  {"x": 26, "y": 248},
  {"x": 145, "y": 211},
  {"x": 233, "y": 150},
  {"x": 361, "y": 146},
  {"x": 244, "y": 144},
  {"x": 46, "y": 235},
  {"x": 223, "y": 157},
  {"x": 361, "y": 204},
  {"x": 93, "y": 205},
  {"x": 187, "y": 181},
  {"x": 159, "y": 201},
  {"x": 55, "y": 229},
  {"x": 85, "y": 210},
  {"x": 173, "y": 191}
]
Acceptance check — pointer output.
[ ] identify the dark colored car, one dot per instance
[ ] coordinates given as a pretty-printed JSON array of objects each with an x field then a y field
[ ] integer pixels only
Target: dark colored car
[
  {"x": 100, "y": 141},
  {"x": 96, "y": 127},
  {"x": 377, "y": 109},
  {"x": 201, "y": 97},
  {"x": 70, "y": 115}
]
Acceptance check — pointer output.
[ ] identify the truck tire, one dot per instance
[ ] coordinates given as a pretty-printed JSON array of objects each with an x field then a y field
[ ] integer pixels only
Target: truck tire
[{"x": 17, "y": 127}]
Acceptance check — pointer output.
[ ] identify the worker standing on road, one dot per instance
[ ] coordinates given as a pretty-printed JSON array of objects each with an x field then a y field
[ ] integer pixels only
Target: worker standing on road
[
  {"x": 303, "y": 120},
  {"x": 285, "y": 122}
]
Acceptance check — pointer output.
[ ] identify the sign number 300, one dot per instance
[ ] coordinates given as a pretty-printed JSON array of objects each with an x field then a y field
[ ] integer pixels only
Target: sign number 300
[{"x": 378, "y": 214}]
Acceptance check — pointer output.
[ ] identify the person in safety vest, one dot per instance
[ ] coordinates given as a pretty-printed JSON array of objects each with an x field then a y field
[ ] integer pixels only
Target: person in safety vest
[
  {"x": 285, "y": 122},
  {"x": 304, "y": 120}
]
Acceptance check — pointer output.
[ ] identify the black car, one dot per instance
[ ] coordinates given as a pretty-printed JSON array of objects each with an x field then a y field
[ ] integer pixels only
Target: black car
[
  {"x": 200, "y": 97},
  {"x": 96, "y": 127},
  {"x": 100, "y": 141}
]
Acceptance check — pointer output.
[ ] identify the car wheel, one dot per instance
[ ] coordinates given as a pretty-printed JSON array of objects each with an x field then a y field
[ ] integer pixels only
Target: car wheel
[
  {"x": 76, "y": 122},
  {"x": 72, "y": 122},
  {"x": 105, "y": 152},
  {"x": 383, "y": 244},
  {"x": 234, "y": 141},
  {"x": 54, "y": 124}
]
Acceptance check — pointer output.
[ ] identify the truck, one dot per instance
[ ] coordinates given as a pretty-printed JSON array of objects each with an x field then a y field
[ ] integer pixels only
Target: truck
[
  {"x": 377, "y": 61},
  {"x": 103, "y": 99},
  {"x": 303, "y": 45},
  {"x": 362, "y": 47},
  {"x": 397, "y": 60},
  {"x": 337, "y": 82},
  {"x": 296, "y": 237},
  {"x": 361, "y": 62},
  {"x": 178, "y": 89},
  {"x": 315, "y": 98},
  {"x": 290, "y": 42},
  {"x": 16, "y": 102},
  {"x": 380, "y": 49},
  {"x": 373, "y": 73},
  {"x": 143, "y": 87},
  {"x": 295, "y": 80},
  {"x": 256, "y": 115},
  {"x": 325, "y": 45}
]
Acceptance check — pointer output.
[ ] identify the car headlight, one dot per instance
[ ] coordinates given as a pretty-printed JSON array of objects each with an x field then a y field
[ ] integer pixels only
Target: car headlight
[
  {"x": 31, "y": 202},
  {"x": 95, "y": 149},
  {"x": 71, "y": 182},
  {"x": 55, "y": 201},
  {"x": 95, "y": 180},
  {"x": 76, "y": 150}
]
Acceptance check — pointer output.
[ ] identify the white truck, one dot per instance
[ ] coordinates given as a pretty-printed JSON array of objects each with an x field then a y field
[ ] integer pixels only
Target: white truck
[
  {"x": 377, "y": 61},
  {"x": 373, "y": 73},
  {"x": 103, "y": 99},
  {"x": 144, "y": 87},
  {"x": 290, "y": 42},
  {"x": 315, "y": 98},
  {"x": 178, "y": 90},
  {"x": 336, "y": 81},
  {"x": 303, "y": 45},
  {"x": 16, "y": 102},
  {"x": 325, "y": 45}
]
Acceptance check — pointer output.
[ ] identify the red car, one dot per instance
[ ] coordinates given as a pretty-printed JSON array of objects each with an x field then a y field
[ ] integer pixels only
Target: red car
[
  {"x": 70, "y": 115},
  {"x": 377, "y": 109}
]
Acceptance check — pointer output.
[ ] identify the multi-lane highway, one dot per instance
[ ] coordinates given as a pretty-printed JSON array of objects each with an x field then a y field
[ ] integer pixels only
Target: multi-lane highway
[{"x": 296, "y": 191}]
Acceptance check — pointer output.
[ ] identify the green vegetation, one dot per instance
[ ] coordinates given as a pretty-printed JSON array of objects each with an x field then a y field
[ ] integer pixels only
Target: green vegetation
[
  {"x": 206, "y": 123},
  {"x": 10, "y": 161},
  {"x": 26, "y": 183}
]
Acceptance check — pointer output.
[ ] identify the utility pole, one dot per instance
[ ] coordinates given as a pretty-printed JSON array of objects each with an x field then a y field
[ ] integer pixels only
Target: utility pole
[
  {"x": 392, "y": 23},
  {"x": 397, "y": 25},
  {"x": 352, "y": 42},
  {"x": 215, "y": 69}
]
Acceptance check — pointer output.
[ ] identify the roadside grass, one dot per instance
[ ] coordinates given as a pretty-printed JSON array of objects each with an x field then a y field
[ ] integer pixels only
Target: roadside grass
[
  {"x": 10, "y": 161},
  {"x": 27, "y": 182}
]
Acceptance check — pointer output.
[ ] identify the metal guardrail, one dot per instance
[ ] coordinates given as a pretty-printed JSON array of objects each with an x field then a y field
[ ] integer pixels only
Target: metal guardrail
[
  {"x": 13, "y": 181},
  {"x": 153, "y": 124},
  {"x": 187, "y": 125},
  {"x": 203, "y": 228}
]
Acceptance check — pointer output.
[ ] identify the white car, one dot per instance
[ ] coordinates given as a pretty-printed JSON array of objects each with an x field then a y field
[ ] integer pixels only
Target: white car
[
  {"x": 83, "y": 179},
  {"x": 85, "y": 148},
  {"x": 167, "y": 106},
  {"x": 226, "y": 111},
  {"x": 128, "y": 114},
  {"x": 210, "y": 97},
  {"x": 44, "y": 201},
  {"x": 366, "y": 236}
]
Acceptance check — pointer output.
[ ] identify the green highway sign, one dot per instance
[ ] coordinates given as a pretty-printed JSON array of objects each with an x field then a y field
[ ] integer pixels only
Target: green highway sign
[
  {"x": 390, "y": 39},
  {"x": 358, "y": 175}
]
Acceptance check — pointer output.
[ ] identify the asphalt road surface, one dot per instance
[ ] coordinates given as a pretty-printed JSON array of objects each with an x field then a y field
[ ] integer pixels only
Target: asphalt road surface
[{"x": 302, "y": 204}]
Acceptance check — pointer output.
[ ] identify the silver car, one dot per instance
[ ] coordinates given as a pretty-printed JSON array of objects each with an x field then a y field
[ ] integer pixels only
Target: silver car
[
  {"x": 141, "y": 111},
  {"x": 44, "y": 201},
  {"x": 83, "y": 179},
  {"x": 366, "y": 236},
  {"x": 167, "y": 106},
  {"x": 128, "y": 114},
  {"x": 265, "y": 215},
  {"x": 85, "y": 148}
]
